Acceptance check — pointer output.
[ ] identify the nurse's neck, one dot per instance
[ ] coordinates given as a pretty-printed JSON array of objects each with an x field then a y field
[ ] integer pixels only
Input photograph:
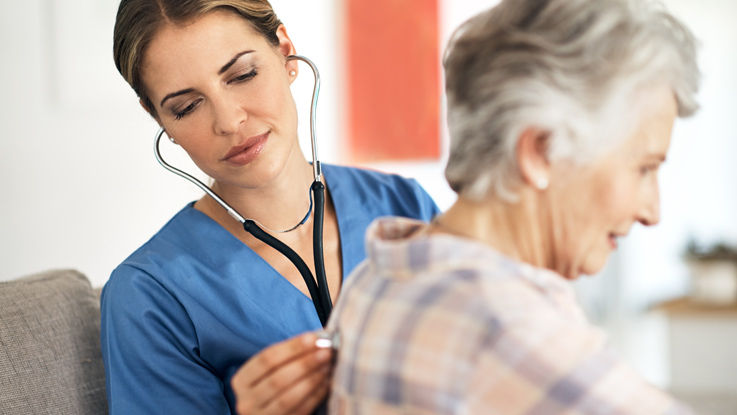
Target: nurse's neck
[{"x": 279, "y": 202}]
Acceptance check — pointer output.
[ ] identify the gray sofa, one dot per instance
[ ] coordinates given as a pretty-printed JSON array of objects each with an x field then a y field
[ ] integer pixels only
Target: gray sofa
[{"x": 50, "y": 360}]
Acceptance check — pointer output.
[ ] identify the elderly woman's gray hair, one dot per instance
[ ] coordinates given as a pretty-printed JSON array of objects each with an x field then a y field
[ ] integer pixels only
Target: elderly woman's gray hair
[{"x": 572, "y": 68}]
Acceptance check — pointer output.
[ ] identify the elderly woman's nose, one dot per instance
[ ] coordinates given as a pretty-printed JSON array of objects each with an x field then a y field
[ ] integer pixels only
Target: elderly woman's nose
[{"x": 649, "y": 213}]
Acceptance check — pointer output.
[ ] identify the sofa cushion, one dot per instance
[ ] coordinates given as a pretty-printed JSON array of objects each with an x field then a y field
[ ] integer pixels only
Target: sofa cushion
[{"x": 50, "y": 361}]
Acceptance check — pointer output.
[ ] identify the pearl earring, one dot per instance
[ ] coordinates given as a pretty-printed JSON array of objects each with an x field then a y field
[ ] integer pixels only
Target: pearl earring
[
  {"x": 292, "y": 73},
  {"x": 172, "y": 139},
  {"x": 542, "y": 183}
]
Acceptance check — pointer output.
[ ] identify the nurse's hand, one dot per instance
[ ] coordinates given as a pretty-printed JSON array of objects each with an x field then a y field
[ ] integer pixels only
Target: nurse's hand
[{"x": 291, "y": 377}]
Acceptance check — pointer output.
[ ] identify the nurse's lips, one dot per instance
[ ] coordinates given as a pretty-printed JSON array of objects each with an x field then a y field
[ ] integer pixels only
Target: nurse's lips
[{"x": 245, "y": 153}]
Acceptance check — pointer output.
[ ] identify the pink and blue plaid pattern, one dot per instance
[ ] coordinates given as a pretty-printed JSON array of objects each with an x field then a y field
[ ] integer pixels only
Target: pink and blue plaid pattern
[{"x": 435, "y": 324}]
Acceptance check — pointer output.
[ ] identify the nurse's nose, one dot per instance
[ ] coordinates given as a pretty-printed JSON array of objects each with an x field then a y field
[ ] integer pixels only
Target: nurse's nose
[{"x": 227, "y": 116}]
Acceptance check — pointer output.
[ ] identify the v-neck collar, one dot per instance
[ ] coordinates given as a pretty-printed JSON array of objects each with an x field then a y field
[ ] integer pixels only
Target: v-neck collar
[{"x": 344, "y": 217}]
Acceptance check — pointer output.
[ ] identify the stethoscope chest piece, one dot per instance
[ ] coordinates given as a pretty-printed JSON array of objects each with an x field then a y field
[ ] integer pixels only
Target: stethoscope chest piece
[{"x": 327, "y": 339}]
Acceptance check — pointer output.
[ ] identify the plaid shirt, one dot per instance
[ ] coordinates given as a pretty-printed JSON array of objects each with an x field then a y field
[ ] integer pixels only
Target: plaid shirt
[{"x": 443, "y": 325}]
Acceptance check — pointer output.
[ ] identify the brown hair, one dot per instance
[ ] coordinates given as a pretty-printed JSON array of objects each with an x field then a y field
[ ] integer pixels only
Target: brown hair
[{"x": 138, "y": 21}]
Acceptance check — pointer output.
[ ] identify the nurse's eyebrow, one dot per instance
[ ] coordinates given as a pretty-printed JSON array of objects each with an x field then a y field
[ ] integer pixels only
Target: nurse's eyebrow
[
  {"x": 232, "y": 61},
  {"x": 220, "y": 72},
  {"x": 175, "y": 94}
]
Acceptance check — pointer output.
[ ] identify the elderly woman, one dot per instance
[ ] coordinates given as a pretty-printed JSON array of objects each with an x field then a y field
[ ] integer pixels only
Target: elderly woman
[{"x": 560, "y": 114}]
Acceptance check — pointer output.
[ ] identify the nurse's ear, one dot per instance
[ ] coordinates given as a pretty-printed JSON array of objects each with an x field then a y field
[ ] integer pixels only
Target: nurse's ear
[{"x": 286, "y": 48}]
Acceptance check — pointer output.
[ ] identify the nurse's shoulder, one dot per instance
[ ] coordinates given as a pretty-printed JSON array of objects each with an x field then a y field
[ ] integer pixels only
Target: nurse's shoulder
[{"x": 385, "y": 193}]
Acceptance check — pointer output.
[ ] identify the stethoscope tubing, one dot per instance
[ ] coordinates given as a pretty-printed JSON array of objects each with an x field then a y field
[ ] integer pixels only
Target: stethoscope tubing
[
  {"x": 318, "y": 193},
  {"x": 317, "y": 285}
]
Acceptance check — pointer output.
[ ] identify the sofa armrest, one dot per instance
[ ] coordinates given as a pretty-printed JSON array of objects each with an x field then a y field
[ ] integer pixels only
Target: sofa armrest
[{"x": 50, "y": 360}]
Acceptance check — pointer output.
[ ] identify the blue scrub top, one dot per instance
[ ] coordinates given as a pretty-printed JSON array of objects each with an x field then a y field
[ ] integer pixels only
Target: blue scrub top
[{"x": 190, "y": 306}]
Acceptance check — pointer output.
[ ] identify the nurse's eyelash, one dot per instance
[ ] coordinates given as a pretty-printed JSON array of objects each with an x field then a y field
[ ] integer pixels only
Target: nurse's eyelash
[
  {"x": 188, "y": 109},
  {"x": 244, "y": 77},
  {"x": 178, "y": 115}
]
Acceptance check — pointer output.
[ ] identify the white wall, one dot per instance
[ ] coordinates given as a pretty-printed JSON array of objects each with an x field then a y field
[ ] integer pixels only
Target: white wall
[{"x": 699, "y": 194}]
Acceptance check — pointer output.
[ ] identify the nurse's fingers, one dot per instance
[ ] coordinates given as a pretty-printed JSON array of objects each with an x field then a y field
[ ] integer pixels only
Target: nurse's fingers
[
  {"x": 290, "y": 383},
  {"x": 272, "y": 357},
  {"x": 320, "y": 394},
  {"x": 311, "y": 403},
  {"x": 282, "y": 390},
  {"x": 280, "y": 375},
  {"x": 303, "y": 396}
]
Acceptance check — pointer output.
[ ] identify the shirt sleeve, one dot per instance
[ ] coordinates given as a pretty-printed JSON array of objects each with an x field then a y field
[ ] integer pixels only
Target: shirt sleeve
[
  {"x": 150, "y": 351},
  {"x": 428, "y": 209},
  {"x": 538, "y": 362}
]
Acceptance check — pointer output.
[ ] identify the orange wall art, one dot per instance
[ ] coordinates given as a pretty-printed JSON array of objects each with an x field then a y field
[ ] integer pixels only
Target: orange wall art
[{"x": 393, "y": 78}]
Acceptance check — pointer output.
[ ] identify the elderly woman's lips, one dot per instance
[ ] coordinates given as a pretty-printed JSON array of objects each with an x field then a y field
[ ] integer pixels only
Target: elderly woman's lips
[
  {"x": 246, "y": 152},
  {"x": 613, "y": 240}
]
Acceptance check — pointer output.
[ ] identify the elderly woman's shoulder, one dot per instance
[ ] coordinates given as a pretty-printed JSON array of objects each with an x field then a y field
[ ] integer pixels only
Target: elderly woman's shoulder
[{"x": 494, "y": 284}]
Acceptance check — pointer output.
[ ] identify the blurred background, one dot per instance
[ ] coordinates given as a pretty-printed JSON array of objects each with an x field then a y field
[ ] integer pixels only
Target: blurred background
[{"x": 82, "y": 189}]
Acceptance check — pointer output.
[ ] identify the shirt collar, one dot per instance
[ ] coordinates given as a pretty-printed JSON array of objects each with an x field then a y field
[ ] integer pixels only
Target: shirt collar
[{"x": 398, "y": 246}]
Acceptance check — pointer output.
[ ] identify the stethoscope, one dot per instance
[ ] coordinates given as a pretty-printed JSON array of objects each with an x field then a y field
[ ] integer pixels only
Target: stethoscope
[{"x": 317, "y": 287}]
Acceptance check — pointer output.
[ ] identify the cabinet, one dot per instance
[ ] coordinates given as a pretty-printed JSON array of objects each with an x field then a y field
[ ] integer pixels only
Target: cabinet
[{"x": 702, "y": 348}]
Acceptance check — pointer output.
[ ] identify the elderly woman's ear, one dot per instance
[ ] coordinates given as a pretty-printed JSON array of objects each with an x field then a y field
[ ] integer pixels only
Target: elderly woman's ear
[{"x": 532, "y": 157}]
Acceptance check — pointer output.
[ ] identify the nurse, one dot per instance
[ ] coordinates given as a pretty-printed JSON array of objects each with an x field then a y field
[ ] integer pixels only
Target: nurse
[{"x": 204, "y": 318}]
